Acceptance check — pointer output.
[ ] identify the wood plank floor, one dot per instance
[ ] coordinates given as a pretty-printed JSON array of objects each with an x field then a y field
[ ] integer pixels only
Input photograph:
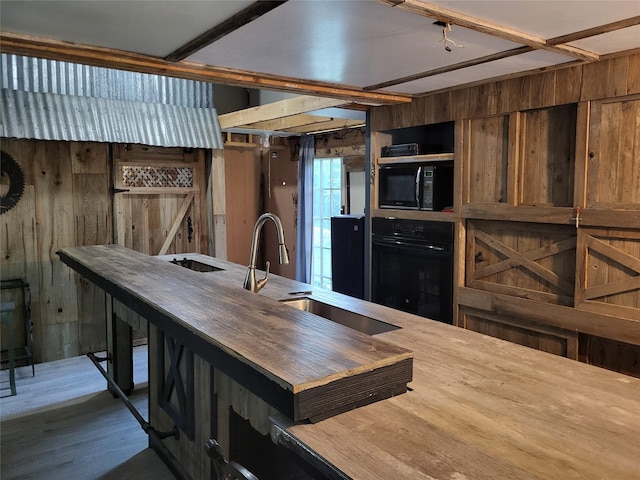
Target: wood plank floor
[{"x": 63, "y": 424}]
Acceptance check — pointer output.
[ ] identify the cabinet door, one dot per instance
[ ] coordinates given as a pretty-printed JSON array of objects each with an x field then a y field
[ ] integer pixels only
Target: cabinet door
[
  {"x": 613, "y": 168},
  {"x": 608, "y": 272}
]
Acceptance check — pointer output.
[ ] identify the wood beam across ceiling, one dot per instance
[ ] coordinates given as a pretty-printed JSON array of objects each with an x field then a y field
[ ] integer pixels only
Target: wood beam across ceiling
[
  {"x": 287, "y": 123},
  {"x": 280, "y": 109},
  {"x": 11, "y": 43},
  {"x": 245, "y": 16},
  {"x": 331, "y": 125},
  {"x": 450, "y": 68},
  {"x": 456, "y": 18},
  {"x": 592, "y": 32}
]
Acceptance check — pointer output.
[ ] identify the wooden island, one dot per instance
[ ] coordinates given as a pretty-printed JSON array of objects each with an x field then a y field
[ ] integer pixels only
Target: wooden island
[{"x": 477, "y": 407}]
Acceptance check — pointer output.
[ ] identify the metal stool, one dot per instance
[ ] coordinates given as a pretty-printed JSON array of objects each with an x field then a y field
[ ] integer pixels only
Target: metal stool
[
  {"x": 27, "y": 346},
  {"x": 6, "y": 310},
  {"x": 226, "y": 470}
]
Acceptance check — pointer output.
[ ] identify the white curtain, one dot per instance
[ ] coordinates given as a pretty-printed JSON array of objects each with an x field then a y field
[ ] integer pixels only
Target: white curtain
[{"x": 305, "y": 209}]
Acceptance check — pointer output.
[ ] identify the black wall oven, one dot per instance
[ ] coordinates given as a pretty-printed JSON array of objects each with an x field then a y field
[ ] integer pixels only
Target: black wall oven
[{"x": 412, "y": 266}]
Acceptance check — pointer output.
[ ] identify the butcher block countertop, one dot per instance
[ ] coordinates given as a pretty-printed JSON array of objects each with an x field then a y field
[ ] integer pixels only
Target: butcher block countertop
[
  {"x": 477, "y": 407},
  {"x": 305, "y": 366}
]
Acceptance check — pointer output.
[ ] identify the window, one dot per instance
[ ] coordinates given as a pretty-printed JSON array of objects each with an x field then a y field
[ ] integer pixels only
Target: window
[{"x": 327, "y": 201}]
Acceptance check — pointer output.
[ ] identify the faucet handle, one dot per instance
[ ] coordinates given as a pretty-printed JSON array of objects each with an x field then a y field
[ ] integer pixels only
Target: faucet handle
[{"x": 263, "y": 281}]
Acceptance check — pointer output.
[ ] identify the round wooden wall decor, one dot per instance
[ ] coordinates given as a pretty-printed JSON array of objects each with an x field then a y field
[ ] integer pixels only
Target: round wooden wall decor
[{"x": 9, "y": 167}]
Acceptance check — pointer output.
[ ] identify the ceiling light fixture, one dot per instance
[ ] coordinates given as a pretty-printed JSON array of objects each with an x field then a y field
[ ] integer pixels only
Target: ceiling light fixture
[{"x": 446, "y": 40}]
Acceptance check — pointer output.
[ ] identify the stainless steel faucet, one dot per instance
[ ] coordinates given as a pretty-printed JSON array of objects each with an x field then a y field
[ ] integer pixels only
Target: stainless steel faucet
[{"x": 250, "y": 282}]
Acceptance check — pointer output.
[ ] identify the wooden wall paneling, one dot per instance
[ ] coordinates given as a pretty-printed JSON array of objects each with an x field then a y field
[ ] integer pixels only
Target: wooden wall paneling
[
  {"x": 520, "y": 93},
  {"x": 515, "y": 260},
  {"x": 56, "y": 229},
  {"x": 547, "y": 153},
  {"x": 514, "y": 160},
  {"x": 180, "y": 217},
  {"x": 604, "y": 79},
  {"x": 242, "y": 200},
  {"x": 583, "y": 115},
  {"x": 568, "y": 82},
  {"x": 419, "y": 109},
  {"x": 17, "y": 250},
  {"x": 564, "y": 317},
  {"x": 378, "y": 141},
  {"x": 281, "y": 177},
  {"x": 618, "y": 356},
  {"x": 93, "y": 219},
  {"x": 543, "y": 89},
  {"x": 610, "y": 273},
  {"x": 463, "y": 159},
  {"x": 633, "y": 74},
  {"x": 478, "y": 101},
  {"x": 459, "y": 103},
  {"x": 216, "y": 201},
  {"x": 402, "y": 114},
  {"x": 18, "y": 243},
  {"x": 614, "y": 154},
  {"x": 488, "y": 153},
  {"x": 547, "y": 339}
]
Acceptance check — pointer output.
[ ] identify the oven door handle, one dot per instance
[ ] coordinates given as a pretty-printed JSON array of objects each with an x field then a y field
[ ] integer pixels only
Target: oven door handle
[
  {"x": 393, "y": 243},
  {"x": 418, "y": 176}
]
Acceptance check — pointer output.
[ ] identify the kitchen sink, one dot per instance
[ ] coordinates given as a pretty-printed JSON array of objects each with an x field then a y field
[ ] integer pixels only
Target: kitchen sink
[
  {"x": 195, "y": 265},
  {"x": 363, "y": 324}
]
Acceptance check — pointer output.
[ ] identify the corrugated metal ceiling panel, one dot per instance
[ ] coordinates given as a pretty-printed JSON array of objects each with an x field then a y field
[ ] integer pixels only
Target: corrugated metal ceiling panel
[
  {"x": 47, "y": 116},
  {"x": 51, "y": 76}
]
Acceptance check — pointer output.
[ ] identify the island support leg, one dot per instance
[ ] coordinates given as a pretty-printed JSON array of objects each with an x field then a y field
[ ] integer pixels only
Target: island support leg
[{"x": 119, "y": 350}]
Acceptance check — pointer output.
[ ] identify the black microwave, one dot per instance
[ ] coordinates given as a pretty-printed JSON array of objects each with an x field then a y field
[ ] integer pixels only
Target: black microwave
[{"x": 416, "y": 186}]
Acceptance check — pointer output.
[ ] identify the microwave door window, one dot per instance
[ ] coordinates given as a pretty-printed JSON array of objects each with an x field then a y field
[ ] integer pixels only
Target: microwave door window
[
  {"x": 401, "y": 188},
  {"x": 398, "y": 188}
]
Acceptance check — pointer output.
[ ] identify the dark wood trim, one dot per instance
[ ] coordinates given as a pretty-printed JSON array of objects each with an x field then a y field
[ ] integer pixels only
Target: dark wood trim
[
  {"x": 450, "y": 68},
  {"x": 170, "y": 381},
  {"x": 446, "y": 15},
  {"x": 110, "y": 58},
  {"x": 245, "y": 16},
  {"x": 592, "y": 32}
]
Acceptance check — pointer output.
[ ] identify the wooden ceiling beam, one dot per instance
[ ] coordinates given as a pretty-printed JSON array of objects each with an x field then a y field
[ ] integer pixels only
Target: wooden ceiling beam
[
  {"x": 450, "y": 68},
  {"x": 456, "y": 18},
  {"x": 287, "y": 123},
  {"x": 245, "y": 16},
  {"x": 592, "y": 32},
  {"x": 280, "y": 109},
  {"x": 111, "y": 58},
  {"x": 335, "y": 124}
]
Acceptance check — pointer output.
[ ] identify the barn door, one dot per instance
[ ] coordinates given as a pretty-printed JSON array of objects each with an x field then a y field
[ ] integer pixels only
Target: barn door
[
  {"x": 157, "y": 203},
  {"x": 608, "y": 271}
]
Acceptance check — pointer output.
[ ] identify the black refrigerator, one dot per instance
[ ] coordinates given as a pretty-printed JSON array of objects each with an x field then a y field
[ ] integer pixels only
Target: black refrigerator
[{"x": 347, "y": 254}]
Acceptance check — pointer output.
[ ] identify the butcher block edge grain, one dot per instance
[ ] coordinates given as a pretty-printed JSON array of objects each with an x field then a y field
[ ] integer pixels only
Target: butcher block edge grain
[{"x": 303, "y": 365}]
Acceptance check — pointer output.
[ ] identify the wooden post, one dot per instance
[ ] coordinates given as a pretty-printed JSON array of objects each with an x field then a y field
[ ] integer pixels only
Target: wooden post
[{"x": 119, "y": 349}]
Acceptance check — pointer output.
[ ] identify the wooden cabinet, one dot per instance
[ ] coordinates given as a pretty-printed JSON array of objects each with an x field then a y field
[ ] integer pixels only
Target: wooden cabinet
[
  {"x": 547, "y": 207},
  {"x": 613, "y": 165}
]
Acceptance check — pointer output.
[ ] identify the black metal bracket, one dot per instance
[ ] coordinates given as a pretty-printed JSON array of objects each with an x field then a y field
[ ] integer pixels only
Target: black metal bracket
[{"x": 225, "y": 470}]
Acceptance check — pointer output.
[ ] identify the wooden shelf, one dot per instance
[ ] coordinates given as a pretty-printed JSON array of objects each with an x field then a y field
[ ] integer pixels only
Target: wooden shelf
[{"x": 432, "y": 157}]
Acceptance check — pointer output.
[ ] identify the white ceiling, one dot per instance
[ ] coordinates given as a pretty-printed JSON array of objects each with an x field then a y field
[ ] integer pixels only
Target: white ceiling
[{"x": 350, "y": 43}]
